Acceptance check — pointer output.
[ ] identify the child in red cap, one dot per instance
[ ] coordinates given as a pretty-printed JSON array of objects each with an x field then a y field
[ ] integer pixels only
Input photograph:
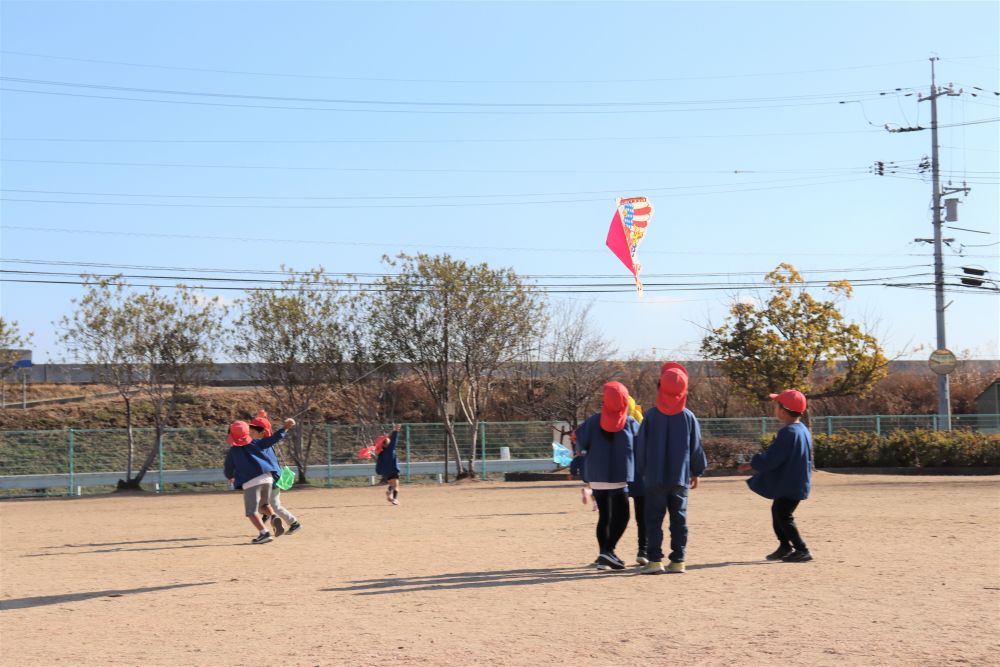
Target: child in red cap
[
  {"x": 272, "y": 509},
  {"x": 784, "y": 474},
  {"x": 670, "y": 458},
  {"x": 387, "y": 465},
  {"x": 607, "y": 440},
  {"x": 249, "y": 468}
]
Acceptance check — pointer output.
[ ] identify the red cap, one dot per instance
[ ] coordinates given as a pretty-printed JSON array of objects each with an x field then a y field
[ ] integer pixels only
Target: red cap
[
  {"x": 239, "y": 434},
  {"x": 614, "y": 410},
  {"x": 260, "y": 421},
  {"x": 790, "y": 399},
  {"x": 671, "y": 397},
  {"x": 380, "y": 443},
  {"x": 674, "y": 364}
]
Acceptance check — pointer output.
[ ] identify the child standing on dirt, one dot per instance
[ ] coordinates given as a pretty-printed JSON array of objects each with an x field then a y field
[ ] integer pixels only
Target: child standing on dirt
[
  {"x": 249, "y": 469},
  {"x": 670, "y": 458},
  {"x": 260, "y": 428},
  {"x": 608, "y": 439},
  {"x": 387, "y": 465},
  {"x": 784, "y": 474}
]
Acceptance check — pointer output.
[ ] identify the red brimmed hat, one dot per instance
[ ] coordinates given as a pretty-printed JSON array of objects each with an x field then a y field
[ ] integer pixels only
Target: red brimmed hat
[
  {"x": 790, "y": 399},
  {"x": 260, "y": 421},
  {"x": 614, "y": 409},
  {"x": 671, "y": 396},
  {"x": 239, "y": 434},
  {"x": 380, "y": 443}
]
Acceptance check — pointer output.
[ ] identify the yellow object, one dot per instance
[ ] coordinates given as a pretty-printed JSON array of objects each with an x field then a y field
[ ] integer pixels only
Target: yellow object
[
  {"x": 634, "y": 410},
  {"x": 676, "y": 568}
]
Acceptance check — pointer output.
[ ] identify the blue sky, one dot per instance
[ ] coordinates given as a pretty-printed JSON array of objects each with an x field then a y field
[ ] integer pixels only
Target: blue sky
[{"x": 502, "y": 132}]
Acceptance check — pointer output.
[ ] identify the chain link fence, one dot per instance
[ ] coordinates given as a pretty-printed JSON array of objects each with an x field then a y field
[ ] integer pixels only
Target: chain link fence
[{"x": 85, "y": 457}]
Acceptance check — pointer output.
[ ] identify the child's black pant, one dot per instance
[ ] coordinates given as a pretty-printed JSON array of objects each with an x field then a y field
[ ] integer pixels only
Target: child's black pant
[
  {"x": 640, "y": 520},
  {"x": 784, "y": 523},
  {"x": 612, "y": 519}
]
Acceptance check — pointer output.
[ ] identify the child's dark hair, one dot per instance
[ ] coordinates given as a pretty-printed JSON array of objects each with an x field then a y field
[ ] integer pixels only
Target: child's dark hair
[{"x": 797, "y": 415}]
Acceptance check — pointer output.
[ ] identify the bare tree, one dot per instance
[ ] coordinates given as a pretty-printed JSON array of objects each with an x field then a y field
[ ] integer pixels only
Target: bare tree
[
  {"x": 579, "y": 362},
  {"x": 296, "y": 343},
  {"x": 175, "y": 338},
  {"x": 103, "y": 332},
  {"x": 455, "y": 325}
]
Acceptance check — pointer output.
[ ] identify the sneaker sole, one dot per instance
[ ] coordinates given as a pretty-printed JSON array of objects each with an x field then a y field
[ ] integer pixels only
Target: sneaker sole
[{"x": 262, "y": 541}]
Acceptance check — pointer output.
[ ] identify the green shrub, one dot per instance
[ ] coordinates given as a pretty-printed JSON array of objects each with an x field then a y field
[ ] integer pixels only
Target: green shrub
[{"x": 903, "y": 449}]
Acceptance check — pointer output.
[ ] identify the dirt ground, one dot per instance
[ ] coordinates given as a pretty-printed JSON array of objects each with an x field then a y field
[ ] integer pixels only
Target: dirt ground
[{"x": 907, "y": 571}]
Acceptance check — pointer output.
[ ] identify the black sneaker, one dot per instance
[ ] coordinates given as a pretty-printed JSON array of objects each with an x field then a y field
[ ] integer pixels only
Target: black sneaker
[
  {"x": 640, "y": 558},
  {"x": 618, "y": 558},
  {"x": 263, "y": 538},
  {"x": 279, "y": 528},
  {"x": 609, "y": 561},
  {"x": 294, "y": 528},
  {"x": 798, "y": 557},
  {"x": 781, "y": 552}
]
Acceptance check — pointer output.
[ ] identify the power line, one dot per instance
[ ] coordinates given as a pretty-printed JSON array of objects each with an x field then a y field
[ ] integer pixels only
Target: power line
[
  {"x": 458, "y": 81},
  {"x": 423, "y": 103},
  {"x": 472, "y": 140},
  {"x": 289, "y": 272},
  {"x": 630, "y": 110},
  {"x": 383, "y": 244},
  {"x": 188, "y": 165},
  {"x": 410, "y": 206},
  {"x": 150, "y": 195}
]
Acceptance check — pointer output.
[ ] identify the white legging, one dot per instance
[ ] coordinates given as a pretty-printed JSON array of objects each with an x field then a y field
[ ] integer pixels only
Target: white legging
[{"x": 274, "y": 499}]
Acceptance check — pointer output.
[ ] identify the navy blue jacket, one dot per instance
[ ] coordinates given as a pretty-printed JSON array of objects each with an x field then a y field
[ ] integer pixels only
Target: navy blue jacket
[
  {"x": 249, "y": 461},
  {"x": 785, "y": 469},
  {"x": 607, "y": 459},
  {"x": 668, "y": 450},
  {"x": 386, "y": 464}
]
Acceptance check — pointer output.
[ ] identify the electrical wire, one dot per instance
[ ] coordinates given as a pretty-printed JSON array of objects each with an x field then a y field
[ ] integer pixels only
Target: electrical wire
[
  {"x": 377, "y": 102},
  {"x": 630, "y": 110},
  {"x": 456, "y": 81}
]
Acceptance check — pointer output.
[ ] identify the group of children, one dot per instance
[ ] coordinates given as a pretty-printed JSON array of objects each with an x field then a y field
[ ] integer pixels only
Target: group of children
[
  {"x": 658, "y": 461},
  {"x": 252, "y": 465}
]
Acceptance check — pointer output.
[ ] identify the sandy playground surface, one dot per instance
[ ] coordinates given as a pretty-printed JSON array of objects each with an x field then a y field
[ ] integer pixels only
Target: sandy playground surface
[{"x": 907, "y": 571}]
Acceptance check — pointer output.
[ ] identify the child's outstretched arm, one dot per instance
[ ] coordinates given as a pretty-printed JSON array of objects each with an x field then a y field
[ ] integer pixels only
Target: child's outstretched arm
[{"x": 272, "y": 440}]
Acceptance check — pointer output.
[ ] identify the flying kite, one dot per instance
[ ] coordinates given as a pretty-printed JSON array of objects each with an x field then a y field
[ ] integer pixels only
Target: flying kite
[{"x": 628, "y": 228}]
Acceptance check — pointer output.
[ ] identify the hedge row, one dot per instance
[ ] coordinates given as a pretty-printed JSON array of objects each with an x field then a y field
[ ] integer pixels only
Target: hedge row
[{"x": 905, "y": 449}]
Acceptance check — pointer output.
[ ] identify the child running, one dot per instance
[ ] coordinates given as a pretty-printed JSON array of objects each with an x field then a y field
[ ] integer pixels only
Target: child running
[
  {"x": 670, "y": 458},
  {"x": 260, "y": 428},
  {"x": 607, "y": 440},
  {"x": 784, "y": 474},
  {"x": 387, "y": 465},
  {"x": 249, "y": 469}
]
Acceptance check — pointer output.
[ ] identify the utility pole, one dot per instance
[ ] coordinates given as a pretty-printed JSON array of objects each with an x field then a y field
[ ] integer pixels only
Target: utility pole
[{"x": 944, "y": 390}]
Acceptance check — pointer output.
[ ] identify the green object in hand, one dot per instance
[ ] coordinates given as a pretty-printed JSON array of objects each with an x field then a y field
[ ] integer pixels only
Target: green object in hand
[{"x": 287, "y": 479}]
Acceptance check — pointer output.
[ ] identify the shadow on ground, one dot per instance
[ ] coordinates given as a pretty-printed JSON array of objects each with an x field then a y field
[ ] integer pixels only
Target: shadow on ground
[
  {"x": 43, "y": 600},
  {"x": 521, "y": 577}
]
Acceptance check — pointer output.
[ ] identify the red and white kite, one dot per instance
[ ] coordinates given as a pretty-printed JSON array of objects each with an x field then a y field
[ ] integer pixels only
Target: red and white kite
[{"x": 628, "y": 228}]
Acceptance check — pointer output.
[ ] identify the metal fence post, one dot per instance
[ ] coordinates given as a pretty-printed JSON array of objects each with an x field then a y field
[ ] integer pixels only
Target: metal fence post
[
  {"x": 482, "y": 438},
  {"x": 878, "y": 424},
  {"x": 71, "y": 475},
  {"x": 934, "y": 421},
  {"x": 407, "y": 427},
  {"x": 829, "y": 425},
  {"x": 159, "y": 447},
  {"x": 329, "y": 456},
  {"x": 763, "y": 425}
]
